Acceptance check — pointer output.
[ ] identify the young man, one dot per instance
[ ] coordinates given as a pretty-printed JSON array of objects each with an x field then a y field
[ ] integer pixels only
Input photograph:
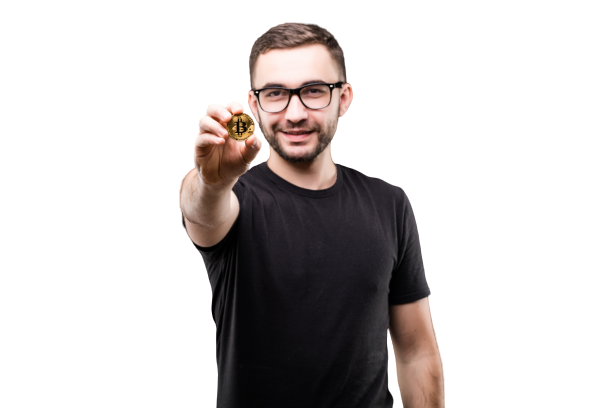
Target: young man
[{"x": 310, "y": 262}]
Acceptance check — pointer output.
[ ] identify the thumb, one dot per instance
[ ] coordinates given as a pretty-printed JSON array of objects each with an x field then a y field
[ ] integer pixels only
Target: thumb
[{"x": 250, "y": 149}]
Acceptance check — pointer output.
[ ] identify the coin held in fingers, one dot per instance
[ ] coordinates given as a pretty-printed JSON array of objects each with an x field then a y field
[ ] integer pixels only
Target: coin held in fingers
[{"x": 240, "y": 127}]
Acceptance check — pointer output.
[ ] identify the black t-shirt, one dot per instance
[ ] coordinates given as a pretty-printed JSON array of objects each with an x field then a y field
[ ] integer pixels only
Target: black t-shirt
[{"x": 302, "y": 285}]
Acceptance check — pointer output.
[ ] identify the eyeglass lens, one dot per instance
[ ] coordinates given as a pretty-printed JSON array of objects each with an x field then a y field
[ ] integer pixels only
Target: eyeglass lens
[{"x": 313, "y": 97}]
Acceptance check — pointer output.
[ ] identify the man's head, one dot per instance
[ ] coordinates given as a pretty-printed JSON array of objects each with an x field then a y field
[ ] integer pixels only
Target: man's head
[{"x": 291, "y": 56}]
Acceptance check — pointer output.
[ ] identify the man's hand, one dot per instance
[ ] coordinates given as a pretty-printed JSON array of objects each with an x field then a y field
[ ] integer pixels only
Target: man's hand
[{"x": 219, "y": 159}]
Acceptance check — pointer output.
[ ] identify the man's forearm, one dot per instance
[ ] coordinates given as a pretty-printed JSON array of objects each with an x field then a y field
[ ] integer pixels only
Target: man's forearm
[
  {"x": 203, "y": 204},
  {"x": 421, "y": 382}
]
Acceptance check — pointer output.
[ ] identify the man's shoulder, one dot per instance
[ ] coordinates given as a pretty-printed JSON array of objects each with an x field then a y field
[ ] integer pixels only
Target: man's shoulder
[{"x": 379, "y": 187}]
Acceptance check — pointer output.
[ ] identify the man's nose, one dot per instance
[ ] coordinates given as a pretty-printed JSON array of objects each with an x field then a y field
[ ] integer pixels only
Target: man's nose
[{"x": 296, "y": 111}]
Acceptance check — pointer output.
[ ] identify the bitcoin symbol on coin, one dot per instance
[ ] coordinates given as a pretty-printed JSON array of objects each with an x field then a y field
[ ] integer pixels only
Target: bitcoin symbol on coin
[{"x": 240, "y": 127}]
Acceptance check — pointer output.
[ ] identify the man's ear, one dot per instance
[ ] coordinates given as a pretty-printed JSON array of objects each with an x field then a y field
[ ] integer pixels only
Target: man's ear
[
  {"x": 346, "y": 97},
  {"x": 253, "y": 105}
]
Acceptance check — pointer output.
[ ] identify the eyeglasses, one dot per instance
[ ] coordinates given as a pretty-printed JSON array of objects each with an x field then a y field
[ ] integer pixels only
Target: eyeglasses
[{"x": 313, "y": 96}]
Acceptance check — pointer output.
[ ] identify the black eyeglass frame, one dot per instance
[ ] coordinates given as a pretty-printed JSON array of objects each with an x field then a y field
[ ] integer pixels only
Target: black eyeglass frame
[{"x": 296, "y": 91}]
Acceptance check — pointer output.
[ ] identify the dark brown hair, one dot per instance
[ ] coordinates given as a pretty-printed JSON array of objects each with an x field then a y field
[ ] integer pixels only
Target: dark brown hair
[{"x": 291, "y": 35}]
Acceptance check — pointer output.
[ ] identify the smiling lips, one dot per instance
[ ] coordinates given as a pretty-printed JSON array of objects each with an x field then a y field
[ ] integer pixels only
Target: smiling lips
[
  {"x": 297, "y": 132},
  {"x": 297, "y": 135}
]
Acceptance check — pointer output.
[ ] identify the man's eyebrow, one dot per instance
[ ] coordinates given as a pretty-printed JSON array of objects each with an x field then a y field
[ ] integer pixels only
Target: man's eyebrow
[{"x": 278, "y": 85}]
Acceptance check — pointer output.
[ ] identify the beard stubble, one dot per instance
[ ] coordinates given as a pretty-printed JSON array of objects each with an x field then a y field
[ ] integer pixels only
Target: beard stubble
[{"x": 325, "y": 136}]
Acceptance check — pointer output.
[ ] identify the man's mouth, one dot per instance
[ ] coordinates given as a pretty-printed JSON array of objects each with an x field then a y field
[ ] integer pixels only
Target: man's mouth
[{"x": 297, "y": 135}]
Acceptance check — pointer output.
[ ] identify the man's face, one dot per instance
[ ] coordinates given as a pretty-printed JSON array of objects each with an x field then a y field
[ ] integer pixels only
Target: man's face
[{"x": 299, "y": 134}]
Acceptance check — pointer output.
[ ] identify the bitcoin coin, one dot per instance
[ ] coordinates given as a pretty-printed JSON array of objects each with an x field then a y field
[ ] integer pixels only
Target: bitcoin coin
[{"x": 240, "y": 127}]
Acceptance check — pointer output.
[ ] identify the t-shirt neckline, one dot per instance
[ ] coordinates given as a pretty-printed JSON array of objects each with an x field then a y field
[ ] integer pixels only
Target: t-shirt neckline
[{"x": 281, "y": 182}]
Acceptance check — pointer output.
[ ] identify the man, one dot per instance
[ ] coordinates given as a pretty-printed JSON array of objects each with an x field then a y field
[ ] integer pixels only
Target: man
[{"x": 310, "y": 262}]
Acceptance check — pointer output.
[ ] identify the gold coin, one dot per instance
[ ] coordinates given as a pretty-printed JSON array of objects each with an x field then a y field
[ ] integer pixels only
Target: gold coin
[{"x": 240, "y": 127}]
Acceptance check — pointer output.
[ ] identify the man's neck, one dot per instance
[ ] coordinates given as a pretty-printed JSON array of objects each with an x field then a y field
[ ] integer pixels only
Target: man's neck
[{"x": 311, "y": 176}]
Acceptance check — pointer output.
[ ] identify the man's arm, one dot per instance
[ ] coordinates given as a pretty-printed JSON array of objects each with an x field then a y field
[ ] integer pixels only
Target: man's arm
[
  {"x": 419, "y": 366},
  {"x": 209, "y": 211}
]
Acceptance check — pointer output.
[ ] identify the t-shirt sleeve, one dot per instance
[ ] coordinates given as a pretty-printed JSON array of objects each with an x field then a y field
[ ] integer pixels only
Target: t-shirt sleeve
[{"x": 408, "y": 283}]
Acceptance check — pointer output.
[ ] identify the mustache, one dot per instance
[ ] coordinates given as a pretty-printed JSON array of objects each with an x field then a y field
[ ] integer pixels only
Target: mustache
[{"x": 301, "y": 125}]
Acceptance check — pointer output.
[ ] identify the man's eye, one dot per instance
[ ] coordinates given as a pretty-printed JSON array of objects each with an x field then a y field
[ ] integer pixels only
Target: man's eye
[
  {"x": 271, "y": 94},
  {"x": 314, "y": 92}
]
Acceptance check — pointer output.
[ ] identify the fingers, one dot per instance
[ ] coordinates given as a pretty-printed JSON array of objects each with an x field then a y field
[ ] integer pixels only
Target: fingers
[
  {"x": 205, "y": 140},
  {"x": 251, "y": 141},
  {"x": 250, "y": 149},
  {"x": 210, "y": 125},
  {"x": 224, "y": 114},
  {"x": 217, "y": 117},
  {"x": 235, "y": 108},
  {"x": 219, "y": 113}
]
